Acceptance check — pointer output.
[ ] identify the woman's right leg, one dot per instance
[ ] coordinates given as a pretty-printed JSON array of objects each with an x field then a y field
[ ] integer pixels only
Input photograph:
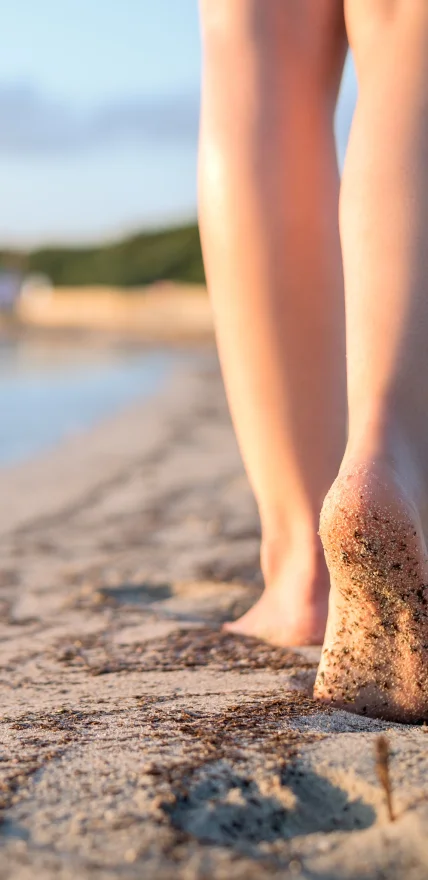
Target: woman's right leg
[
  {"x": 375, "y": 519},
  {"x": 268, "y": 211}
]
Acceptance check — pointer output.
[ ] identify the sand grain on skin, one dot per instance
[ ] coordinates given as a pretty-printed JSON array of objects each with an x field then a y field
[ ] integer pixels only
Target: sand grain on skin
[{"x": 375, "y": 658}]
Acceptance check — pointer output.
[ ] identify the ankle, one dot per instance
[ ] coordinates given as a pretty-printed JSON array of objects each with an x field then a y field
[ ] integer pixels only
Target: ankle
[
  {"x": 387, "y": 445},
  {"x": 302, "y": 558},
  {"x": 373, "y": 434}
]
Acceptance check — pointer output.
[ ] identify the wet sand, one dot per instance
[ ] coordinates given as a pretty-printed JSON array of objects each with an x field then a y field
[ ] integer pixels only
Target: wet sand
[{"x": 137, "y": 740}]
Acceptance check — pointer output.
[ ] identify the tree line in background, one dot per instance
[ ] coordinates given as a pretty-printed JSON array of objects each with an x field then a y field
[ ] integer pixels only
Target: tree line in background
[{"x": 167, "y": 255}]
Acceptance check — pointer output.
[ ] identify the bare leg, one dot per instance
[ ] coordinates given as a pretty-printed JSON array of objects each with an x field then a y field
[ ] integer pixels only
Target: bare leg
[
  {"x": 268, "y": 211},
  {"x": 374, "y": 522}
]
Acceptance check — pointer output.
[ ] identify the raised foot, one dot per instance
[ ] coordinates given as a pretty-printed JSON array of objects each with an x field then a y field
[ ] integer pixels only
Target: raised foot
[{"x": 375, "y": 655}]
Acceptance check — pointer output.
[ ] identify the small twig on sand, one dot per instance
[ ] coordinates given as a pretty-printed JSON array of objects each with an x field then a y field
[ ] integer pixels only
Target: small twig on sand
[{"x": 382, "y": 769}]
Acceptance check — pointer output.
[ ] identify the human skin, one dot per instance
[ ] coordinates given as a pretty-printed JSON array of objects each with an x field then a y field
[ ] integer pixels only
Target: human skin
[
  {"x": 374, "y": 521},
  {"x": 268, "y": 196}
]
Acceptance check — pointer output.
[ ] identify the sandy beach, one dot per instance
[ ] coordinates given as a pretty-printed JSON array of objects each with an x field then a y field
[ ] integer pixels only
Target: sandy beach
[
  {"x": 137, "y": 739},
  {"x": 162, "y": 312}
]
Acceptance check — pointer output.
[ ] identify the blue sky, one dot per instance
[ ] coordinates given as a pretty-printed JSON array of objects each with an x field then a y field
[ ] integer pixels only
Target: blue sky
[{"x": 98, "y": 116}]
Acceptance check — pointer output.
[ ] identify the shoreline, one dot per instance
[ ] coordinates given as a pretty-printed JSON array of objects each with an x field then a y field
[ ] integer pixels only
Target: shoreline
[
  {"x": 82, "y": 461},
  {"x": 163, "y": 313},
  {"x": 52, "y": 392},
  {"x": 136, "y": 737}
]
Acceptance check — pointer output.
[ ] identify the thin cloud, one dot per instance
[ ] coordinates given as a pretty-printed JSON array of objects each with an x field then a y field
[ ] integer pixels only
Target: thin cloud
[{"x": 34, "y": 124}]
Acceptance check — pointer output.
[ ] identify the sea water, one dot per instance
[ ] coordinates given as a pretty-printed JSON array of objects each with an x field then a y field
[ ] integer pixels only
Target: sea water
[{"x": 48, "y": 392}]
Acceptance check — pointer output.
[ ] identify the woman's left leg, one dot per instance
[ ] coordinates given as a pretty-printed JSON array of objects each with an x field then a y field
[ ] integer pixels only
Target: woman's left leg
[{"x": 269, "y": 190}]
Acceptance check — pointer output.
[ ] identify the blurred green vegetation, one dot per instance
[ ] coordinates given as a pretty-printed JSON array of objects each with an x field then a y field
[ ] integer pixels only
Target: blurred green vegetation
[{"x": 170, "y": 254}]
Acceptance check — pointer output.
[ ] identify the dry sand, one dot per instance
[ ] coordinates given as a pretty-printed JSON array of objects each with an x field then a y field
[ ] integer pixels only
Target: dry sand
[
  {"x": 160, "y": 312},
  {"x": 138, "y": 741}
]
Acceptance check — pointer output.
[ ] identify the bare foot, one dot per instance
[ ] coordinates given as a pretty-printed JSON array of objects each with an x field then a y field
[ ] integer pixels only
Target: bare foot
[
  {"x": 292, "y": 610},
  {"x": 375, "y": 657}
]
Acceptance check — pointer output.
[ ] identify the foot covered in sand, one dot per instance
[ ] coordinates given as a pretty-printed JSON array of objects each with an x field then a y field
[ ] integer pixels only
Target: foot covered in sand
[{"x": 375, "y": 655}]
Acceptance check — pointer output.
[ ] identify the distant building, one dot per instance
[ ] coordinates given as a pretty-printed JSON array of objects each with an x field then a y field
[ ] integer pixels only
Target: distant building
[
  {"x": 10, "y": 288},
  {"x": 36, "y": 286}
]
